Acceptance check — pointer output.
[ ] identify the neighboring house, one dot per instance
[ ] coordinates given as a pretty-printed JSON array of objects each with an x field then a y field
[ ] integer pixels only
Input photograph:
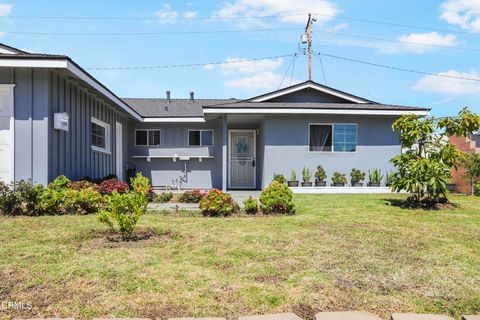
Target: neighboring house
[
  {"x": 469, "y": 145},
  {"x": 55, "y": 119}
]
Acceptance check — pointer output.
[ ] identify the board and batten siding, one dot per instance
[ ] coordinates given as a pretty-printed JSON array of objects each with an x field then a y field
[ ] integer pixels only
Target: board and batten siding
[
  {"x": 71, "y": 153},
  {"x": 41, "y": 152}
]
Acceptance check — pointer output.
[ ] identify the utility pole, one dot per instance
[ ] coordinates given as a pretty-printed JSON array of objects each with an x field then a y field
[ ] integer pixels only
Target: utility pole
[{"x": 308, "y": 33}]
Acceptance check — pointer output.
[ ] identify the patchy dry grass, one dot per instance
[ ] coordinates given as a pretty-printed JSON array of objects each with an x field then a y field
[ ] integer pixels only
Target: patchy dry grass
[{"x": 339, "y": 252}]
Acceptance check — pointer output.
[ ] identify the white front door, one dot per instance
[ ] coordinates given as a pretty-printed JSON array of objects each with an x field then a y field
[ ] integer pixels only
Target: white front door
[
  {"x": 6, "y": 133},
  {"x": 241, "y": 153},
  {"x": 119, "y": 150}
]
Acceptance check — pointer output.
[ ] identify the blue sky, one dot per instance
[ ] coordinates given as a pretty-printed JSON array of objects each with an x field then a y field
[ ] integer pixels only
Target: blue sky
[{"x": 451, "y": 27}]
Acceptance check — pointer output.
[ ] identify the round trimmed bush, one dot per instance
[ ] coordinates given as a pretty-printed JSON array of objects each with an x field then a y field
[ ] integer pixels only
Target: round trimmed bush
[
  {"x": 217, "y": 203},
  {"x": 251, "y": 205},
  {"x": 277, "y": 198}
]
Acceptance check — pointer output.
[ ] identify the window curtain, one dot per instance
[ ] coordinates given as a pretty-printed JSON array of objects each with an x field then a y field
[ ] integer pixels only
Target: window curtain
[{"x": 320, "y": 138}]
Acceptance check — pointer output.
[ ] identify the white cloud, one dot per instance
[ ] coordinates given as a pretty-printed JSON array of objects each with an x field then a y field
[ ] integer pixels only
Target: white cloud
[
  {"x": 166, "y": 14},
  {"x": 420, "y": 42},
  {"x": 190, "y": 14},
  {"x": 450, "y": 85},
  {"x": 248, "y": 67},
  {"x": 209, "y": 66},
  {"x": 464, "y": 13},
  {"x": 290, "y": 9},
  {"x": 242, "y": 74},
  {"x": 5, "y": 9},
  {"x": 264, "y": 80}
]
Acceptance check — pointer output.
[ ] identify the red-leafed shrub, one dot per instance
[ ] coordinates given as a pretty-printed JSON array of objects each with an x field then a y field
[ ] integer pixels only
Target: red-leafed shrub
[
  {"x": 218, "y": 203},
  {"x": 194, "y": 196},
  {"x": 107, "y": 186},
  {"x": 83, "y": 184}
]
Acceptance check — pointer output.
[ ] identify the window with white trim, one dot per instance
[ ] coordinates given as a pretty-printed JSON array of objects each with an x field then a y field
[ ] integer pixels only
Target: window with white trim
[
  {"x": 147, "y": 137},
  {"x": 200, "y": 138},
  {"x": 332, "y": 137},
  {"x": 100, "y": 135}
]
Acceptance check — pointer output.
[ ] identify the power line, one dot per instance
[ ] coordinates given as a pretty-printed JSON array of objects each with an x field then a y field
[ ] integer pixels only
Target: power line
[
  {"x": 286, "y": 72},
  {"x": 363, "y": 20},
  {"x": 397, "y": 41},
  {"x": 398, "y": 68},
  {"x": 323, "y": 69},
  {"x": 146, "y": 33},
  {"x": 189, "y": 64},
  {"x": 393, "y": 24},
  {"x": 151, "y": 18}
]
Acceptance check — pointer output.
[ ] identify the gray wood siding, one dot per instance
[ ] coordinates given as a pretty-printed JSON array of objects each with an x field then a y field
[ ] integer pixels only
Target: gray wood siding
[{"x": 71, "y": 152}]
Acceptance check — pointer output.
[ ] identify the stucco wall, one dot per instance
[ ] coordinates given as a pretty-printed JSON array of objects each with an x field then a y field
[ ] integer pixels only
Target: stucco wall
[
  {"x": 206, "y": 174},
  {"x": 286, "y": 146}
]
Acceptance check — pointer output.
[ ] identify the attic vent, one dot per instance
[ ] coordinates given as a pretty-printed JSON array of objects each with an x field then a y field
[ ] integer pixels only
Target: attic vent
[{"x": 165, "y": 108}]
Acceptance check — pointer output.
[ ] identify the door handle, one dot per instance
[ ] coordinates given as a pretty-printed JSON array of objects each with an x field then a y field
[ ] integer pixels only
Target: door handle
[{"x": 253, "y": 162}]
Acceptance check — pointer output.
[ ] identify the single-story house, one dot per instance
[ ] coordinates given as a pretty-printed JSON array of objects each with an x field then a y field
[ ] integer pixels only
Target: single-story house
[{"x": 56, "y": 118}]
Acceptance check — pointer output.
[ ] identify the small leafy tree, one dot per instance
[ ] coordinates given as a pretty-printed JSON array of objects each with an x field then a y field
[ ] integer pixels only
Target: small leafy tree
[
  {"x": 471, "y": 164},
  {"x": 423, "y": 169},
  {"x": 125, "y": 209}
]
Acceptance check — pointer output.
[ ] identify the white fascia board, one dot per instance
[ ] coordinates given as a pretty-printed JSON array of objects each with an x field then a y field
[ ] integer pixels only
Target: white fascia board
[
  {"x": 170, "y": 120},
  {"x": 315, "y": 111},
  {"x": 309, "y": 85},
  {"x": 33, "y": 63},
  {"x": 88, "y": 79},
  {"x": 65, "y": 64}
]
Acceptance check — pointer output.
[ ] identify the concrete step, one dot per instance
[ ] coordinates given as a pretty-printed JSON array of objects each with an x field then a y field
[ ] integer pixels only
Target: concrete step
[
  {"x": 276, "y": 316},
  {"x": 418, "y": 316},
  {"x": 346, "y": 315}
]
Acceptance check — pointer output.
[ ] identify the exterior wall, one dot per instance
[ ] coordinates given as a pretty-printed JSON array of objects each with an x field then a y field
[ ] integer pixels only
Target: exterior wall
[
  {"x": 286, "y": 146},
  {"x": 31, "y": 111},
  {"x": 464, "y": 145},
  {"x": 70, "y": 152},
  {"x": 42, "y": 153},
  {"x": 206, "y": 174}
]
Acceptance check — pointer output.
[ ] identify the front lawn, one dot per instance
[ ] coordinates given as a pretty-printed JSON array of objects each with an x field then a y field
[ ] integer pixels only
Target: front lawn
[{"x": 339, "y": 252}]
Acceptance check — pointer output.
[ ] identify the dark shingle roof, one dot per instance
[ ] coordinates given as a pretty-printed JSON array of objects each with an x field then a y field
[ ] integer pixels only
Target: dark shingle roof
[
  {"x": 149, "y": 108},
  {"x": 314, "y": 105}
]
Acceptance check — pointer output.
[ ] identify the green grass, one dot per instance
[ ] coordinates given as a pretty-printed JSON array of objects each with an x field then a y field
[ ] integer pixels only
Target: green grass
[{"x": 339, "y": 252}]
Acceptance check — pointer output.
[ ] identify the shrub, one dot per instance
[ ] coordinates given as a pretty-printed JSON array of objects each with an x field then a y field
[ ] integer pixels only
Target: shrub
[
  {"x": 110, "y": 185},
  {"x": 194, "y": 196},
  {"x": 66, "y": 197},
  {"x": 339, "y": 178},
  {"x": 357, "y": 175},
  {"x": 84, "y": 201},
  {"x": 320, "y": 175},
  {"x": 20, "y": 198},
  {"x": 375, "y": 176},
  {"x": 477, "y": 189},
  {"x": 307, "y": 174},
  {"x": 277, "y": 198},
  {"x": 60, "y": 182},
  {"x": 125, "y": 209},
  {"x": 10, "y": 203},
  {"x": 218, "y": 203},
  {"x": 251, "y": 205},
  {"x": 279, "y": 177},
  {"x": 83, "y": 184},
  {"x": 163, "y": 197}
]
